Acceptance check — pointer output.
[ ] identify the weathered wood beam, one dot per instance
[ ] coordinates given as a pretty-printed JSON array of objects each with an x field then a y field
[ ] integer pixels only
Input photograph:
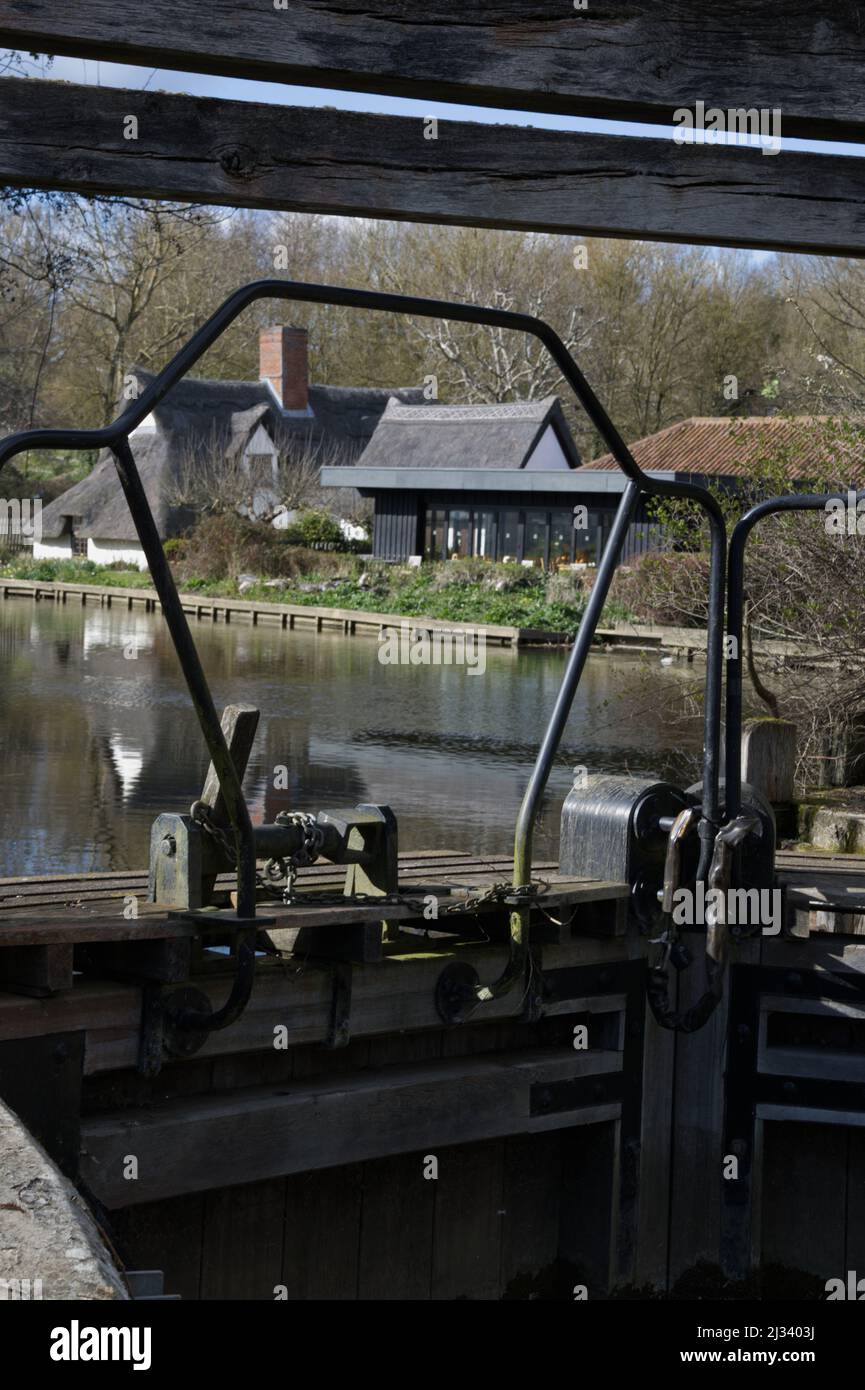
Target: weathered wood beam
[
  {"x": 265, "y": 1132},
  {"x": 627, "y": 59},
  {"x": 397, "y": 995},
  {"x": 58, "y": 135}
]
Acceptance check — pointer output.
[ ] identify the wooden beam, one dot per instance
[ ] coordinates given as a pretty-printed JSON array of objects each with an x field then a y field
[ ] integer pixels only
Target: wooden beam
[
  {"x": 394, "y": 996},
  {"x": 625, "y": 59},
  {"x": 247, "y": 1135},
  {"x": 239, "y": 723},
  {"x": 58, "y": 135}
]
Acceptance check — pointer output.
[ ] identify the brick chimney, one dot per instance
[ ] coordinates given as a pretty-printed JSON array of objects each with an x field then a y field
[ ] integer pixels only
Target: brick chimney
[{"x": 283, "y": 361}]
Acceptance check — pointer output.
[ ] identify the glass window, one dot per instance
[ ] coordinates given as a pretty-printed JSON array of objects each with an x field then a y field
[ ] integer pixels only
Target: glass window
[
  {"x": 434, "y": 534},
  {"x": 537, "y": 534},
  {"x": 483, "y": 534},
  {"x": 561, "y": 531},
  {"x": 509, "y": 535},
  {"x": 459, "y": 533}
]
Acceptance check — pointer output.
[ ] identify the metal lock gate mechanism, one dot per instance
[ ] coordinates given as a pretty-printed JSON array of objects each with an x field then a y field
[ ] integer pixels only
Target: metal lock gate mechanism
[{"x": 656, "y": 837}]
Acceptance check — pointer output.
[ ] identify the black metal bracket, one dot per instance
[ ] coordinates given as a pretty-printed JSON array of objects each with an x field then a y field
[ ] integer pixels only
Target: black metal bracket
[{"x": 455, "y": 992}]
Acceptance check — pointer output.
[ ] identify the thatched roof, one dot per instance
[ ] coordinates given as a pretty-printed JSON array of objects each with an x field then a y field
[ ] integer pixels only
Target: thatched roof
[
  {"x": 466, "y": 436},
  {"x": 197, "y": 412}
]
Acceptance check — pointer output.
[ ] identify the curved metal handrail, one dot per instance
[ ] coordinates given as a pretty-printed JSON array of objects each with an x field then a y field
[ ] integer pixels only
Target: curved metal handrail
[
  {"x": 115, "y": 437},
  {"x": 771, "y": 506}
]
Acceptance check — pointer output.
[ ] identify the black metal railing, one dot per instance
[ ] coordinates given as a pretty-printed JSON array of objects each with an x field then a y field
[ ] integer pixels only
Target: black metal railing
[{"x": 115, "y": 437}]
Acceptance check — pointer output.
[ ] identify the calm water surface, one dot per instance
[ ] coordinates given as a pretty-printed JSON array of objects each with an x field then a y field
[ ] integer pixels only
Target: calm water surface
[{"x": 95, "y": 742}]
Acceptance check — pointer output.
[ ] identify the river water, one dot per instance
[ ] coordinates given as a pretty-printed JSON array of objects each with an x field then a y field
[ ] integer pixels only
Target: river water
[{"x": 97, "y": 735}]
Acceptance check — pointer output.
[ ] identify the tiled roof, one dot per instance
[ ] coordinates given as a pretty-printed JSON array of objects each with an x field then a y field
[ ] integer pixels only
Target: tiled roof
[{"x": 733, "y": 448}]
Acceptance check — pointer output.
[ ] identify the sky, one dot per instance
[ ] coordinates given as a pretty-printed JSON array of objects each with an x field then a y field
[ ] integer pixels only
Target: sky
[{"x": 88, "y": 71}]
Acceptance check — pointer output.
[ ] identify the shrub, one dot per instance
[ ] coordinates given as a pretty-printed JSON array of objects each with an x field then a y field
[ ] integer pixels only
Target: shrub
[
  {"x": 666, "y": 587},
  {"x": 314, "y": 528},
  {"x": 566, "y": 588},
  {"x": 222, "y": 547}
]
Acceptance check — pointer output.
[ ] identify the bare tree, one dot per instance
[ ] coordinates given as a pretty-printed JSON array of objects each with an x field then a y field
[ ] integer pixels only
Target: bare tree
[
  {"x": 212, "y": 477},
  {"x": 804, "y": 638}
]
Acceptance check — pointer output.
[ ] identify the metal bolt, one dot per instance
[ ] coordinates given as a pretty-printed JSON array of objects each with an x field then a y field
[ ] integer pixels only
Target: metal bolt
[{"x": 169, "y": 846}]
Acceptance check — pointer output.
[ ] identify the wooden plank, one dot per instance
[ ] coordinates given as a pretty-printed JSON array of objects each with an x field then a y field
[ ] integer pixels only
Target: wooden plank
[
  {"x": 322, "y": 1234},
  {"x": 656, "y": 1143},
  {"x": 805, "y": 1173},
  {"x": 36, "y": 970},
  {"x": 241, "y": 1255},
  {"x": 192, "y": 1145},
  {"x": 239, "y": 723},
  {"x": 84, "y": 889},
  {"x": 166, "y": 1236},
  {"x": 394, "y": 996},
  {"x": 822, "y": 1063},
  {"x": 531, "y": 1183},
  {"x": 820, "y": 953},
  {"x": 769, "y": 757},
  {"x": 56, "y": 925},
  {"x": 397, "y": 1230},
  {"x": 468, "y": 1222},
  {"x": 698, "y": 1117},
  {"x": 588, "y": 1205},
  {"x": 626, "y": 59},
  {"x": 232, "y": 153}
]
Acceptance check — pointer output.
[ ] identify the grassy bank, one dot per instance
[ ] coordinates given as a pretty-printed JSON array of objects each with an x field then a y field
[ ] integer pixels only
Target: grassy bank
[{"x": 456, "y": 591}]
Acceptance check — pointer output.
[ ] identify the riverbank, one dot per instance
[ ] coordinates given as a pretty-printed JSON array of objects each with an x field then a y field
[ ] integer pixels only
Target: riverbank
[
  {"x": 457, "y": 591},
  {"x": 623, "y": 635},
  {"x": 349, "y": 621}
]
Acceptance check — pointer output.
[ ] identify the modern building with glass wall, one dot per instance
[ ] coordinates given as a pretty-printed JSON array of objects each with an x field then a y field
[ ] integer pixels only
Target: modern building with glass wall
[{"x": 499, "y": 482}]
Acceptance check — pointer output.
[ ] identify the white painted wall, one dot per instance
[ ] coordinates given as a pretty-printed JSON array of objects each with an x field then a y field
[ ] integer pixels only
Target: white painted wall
[
  {"x": 53, "y": 548},
  {"x": 106, "y": 552},
  {"x": 261, "y": 443},
  {"x": 548, "y": 452}
]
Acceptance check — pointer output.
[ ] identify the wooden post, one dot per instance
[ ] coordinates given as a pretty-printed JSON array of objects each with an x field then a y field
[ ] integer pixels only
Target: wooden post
[
  {"x": 769, "y": 758},
  {"x": 239, "y": 723}
]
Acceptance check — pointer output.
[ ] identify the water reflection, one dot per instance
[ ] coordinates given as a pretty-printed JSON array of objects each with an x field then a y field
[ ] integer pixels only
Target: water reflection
[{"x": 97, "y": 735}]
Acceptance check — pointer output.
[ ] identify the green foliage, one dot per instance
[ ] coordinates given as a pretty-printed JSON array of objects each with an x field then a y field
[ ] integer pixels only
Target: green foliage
[
  {"x": 74, "y": 571},
  {"x": 455, "y": 591},
  {"x": 314, "y": 528}
]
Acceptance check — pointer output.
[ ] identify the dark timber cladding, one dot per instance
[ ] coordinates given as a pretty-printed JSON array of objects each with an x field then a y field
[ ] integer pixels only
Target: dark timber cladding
[
  {"x": 619, "y": 58},
  {"x": 397, "y": 525},
  {"x": 58, "y": 135}
]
